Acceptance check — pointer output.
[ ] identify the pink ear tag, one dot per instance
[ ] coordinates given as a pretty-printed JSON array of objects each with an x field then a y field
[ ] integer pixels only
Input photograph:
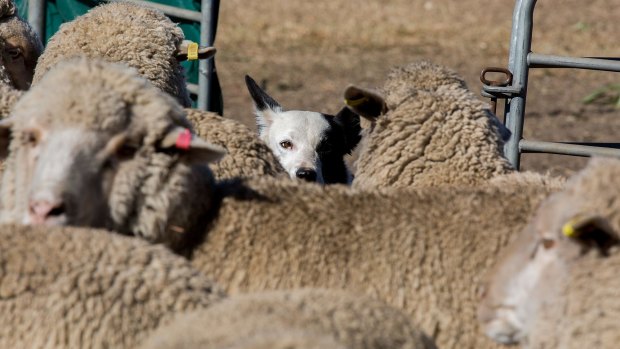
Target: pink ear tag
[{"x": 184, "y": 140}]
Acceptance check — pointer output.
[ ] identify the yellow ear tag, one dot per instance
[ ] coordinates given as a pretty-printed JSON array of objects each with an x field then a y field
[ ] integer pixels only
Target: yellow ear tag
[
  {"x": 192, "y": 51},
  {"x": 569, "y": 229},
  {"x": 355, "y": 102}
]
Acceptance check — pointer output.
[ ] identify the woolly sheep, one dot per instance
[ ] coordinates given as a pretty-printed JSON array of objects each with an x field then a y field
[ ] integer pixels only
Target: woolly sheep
[
  {"x": 433, "y": 131},
  {"x": 83, "y": 288},
  {"x": 20, "y": 46},
  {"x": 557, "y": 285},
  {"x": 141, "y": 37},
  {"x": 247, "y": 156},
  {"x": 338, "y": 319},
  {"x": 260, "y": 233}
]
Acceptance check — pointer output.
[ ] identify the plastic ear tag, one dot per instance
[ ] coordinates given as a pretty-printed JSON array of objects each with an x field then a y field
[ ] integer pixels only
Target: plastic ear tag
[
  {"x": 569, "y": 230},
  {"x": 192, "y": 51},
  {"x": 184, "y": 140},
  {"x": 355, "y": 102}
]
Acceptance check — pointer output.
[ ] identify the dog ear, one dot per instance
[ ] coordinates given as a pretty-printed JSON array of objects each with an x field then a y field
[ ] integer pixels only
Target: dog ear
[
  {"x": 350, "y": 123},
  {"x": 365, "y": 102},
  {"x": 265, "y": 107}
]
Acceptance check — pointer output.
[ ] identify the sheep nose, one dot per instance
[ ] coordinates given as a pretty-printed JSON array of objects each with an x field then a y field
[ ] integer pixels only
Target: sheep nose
[
  {"x": 307, "y": 174},
  {"x": 43, "y": 211}
]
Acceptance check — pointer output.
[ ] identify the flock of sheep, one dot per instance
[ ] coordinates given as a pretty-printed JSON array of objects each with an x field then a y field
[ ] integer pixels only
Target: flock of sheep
[{"x": 187, "y": 233}]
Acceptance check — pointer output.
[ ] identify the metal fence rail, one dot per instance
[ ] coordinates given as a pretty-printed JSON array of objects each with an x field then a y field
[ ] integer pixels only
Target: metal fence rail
[{"x": 520, "y": 60}]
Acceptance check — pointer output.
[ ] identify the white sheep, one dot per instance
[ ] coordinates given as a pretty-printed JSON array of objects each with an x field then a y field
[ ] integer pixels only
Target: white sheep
[
  {"x": 85, "y": 288},
  {"x": 336, "y": 318},
  {"x": 429, "y": 130},
  {"x": 139, "y": 36},
  {"x": 124, "y": 159},
  {"x": 557, "y": 285}
]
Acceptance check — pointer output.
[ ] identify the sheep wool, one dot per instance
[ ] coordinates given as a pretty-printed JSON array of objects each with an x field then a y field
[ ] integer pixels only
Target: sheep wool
[
  {"x": 421, "y": 251},
  {"x": 141, "y": 37},
  {"x": 83, "y": 288},
  {"x": 247, "y": 155},
  {"x": 333, "y": 318},
  {"x": 435, "y": 132}
]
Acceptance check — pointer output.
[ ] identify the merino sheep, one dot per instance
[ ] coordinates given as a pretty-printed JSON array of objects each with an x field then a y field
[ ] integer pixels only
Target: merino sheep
[
  {"x": 338, "y": 319},
  {"x": 247, "y": 156},
  {"x": 139, "y": 36},
  {"x": 433, "y": 132},
  {"x": 20, "y": 48},
  {"x": 83, "y": 288},
  {"x": 557, "y": 286},
  {"x": 122, "y": 160}
]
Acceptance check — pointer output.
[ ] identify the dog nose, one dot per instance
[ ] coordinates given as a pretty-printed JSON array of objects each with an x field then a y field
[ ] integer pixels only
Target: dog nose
[
  {"x": 307, "y": 174},
  {"x": 43, "y": 211}
]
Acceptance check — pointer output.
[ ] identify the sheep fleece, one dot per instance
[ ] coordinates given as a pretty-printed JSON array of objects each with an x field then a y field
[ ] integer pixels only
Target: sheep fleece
[
  {"x": 247, "y": 155},
  {"x": 422, "y": 250},
  {"x": 351, "y": 321},
  {"x": 436, "y": 132},
  {"x": 83, "y": 288}
]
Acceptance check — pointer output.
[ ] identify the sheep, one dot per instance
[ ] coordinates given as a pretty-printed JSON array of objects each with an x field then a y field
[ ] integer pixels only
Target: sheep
[
  {"x": 141, "y": 37},
  {"x": 336, "y": 318},
  {"x": 83, "y": 288},
  {"x": 247, "y": 156},
  {"x": 20, "y": 48},
  {"x": 125, "y": 160},
  {"x": 557, "y": 285},
  {"x": 430, "y": 130}
]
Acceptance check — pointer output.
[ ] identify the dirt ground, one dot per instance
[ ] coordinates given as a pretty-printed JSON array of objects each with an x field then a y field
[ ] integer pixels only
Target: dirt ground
[{"x": 306, "y": 52}]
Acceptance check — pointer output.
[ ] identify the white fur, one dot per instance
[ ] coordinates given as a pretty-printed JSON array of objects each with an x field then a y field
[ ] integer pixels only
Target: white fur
[{"x": 303, "y": 129}]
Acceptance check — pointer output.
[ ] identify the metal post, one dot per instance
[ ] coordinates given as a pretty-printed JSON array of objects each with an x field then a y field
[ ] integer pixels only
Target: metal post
[
  {"x": 520, "y": 46},
  {"x": 205, "y": 67},
  {"x": 36, "y": 17}
]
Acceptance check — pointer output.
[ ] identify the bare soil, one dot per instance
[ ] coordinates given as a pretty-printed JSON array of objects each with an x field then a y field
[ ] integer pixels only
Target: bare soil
[{"x": 306, "y": 52}]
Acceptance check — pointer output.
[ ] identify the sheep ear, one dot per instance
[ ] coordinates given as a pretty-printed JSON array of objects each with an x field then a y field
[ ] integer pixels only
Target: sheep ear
[
  {"x": 184, "y": 141},
  {"x": 6, "y": 126},
  {"x": 591, "y": 230},
  {"x": 350, "y": 122},
  {"x": 183, "y": 51},
  {"x": 366, "y": 103},
  {"x": 265, "y": 106}
]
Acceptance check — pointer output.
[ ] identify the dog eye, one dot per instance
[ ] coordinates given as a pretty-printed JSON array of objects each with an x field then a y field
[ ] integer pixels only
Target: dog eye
[{"x": 286, "y": 144}]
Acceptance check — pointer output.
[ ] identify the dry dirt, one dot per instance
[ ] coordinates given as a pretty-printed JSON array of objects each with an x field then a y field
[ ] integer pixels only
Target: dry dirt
[{"x": 306, "y": 52}]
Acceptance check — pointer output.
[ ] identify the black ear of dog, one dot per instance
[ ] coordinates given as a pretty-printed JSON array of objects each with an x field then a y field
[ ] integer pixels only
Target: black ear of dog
[
  {"x": 365, "y": 102},
  {"x": 350, "y": 123},
  {"x": 261, "y": 99}
]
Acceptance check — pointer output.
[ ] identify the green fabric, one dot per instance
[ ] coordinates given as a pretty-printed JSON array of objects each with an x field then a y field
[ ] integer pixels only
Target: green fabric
[{"x": 61, "y": 11}]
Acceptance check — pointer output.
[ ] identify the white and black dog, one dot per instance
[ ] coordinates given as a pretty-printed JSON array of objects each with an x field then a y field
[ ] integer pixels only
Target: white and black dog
[{"x": 310, "y": 146}]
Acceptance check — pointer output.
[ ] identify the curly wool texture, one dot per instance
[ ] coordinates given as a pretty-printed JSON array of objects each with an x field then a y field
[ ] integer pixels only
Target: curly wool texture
[
  {"x": 8, "y": 96},
  {"x": 140, "y": 37},
  {"x": 350, "y": 321},
  {"x": 436, "y": 132},
  {"x": 247, "y": 156},
  {"x": 422, "y": 251},
  {"x": 83, "y": 288},
  {"x": 106, "y": 99}
]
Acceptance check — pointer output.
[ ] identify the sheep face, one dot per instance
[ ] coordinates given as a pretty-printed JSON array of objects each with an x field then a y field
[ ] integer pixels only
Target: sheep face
[
  {"x": 19, "y": 50},
  {"x": 122, "y": 158},
  {"x": 535, "y": 266}
]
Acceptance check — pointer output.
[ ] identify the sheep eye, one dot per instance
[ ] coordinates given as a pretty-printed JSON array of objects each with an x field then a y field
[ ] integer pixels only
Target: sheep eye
[
  {"x": 127, "y": 151},
  {"x": 286, "y": 144},
  {"x": 31, "y": 138},
  {"x": 14, "y": 53},
  {"x": 548, "y": 243}
]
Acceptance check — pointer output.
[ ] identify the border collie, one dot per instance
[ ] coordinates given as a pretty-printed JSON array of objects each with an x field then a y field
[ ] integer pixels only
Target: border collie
[{"x": 310, "y": 146}]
